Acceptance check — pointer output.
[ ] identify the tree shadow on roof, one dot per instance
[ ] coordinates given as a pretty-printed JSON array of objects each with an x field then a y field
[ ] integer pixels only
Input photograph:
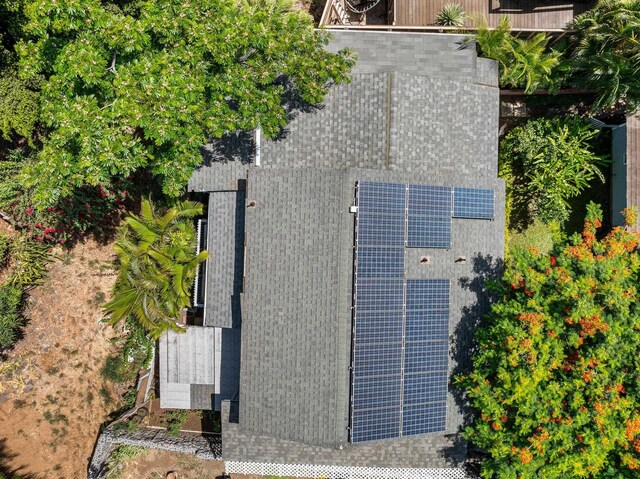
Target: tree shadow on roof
[{"x": 464, "y": 345}]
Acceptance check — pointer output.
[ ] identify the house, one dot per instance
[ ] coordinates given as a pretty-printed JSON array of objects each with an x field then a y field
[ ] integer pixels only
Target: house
[
  {"x": 625, "y": 182},
  {"x": 526, "y": 15},
  {"x": 348, "y": 256}
]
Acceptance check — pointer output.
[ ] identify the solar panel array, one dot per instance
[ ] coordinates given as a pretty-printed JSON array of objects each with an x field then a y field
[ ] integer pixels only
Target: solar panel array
[{"x": 401, "y": 326}]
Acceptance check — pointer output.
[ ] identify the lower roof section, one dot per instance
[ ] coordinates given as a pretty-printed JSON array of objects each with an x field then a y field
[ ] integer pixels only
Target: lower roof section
[
  {"x": 431, "y": 451},
  {"x": 199, "y": 368}
]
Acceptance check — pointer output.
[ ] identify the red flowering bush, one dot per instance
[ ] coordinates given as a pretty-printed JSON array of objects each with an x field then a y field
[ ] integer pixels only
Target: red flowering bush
[
  {"x": 556, "y": 378},
  {"x": 89, "y": 210}
]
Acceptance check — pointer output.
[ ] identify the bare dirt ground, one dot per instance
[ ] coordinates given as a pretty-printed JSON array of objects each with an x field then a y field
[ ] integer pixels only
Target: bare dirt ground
[
  {"x": 154, "y": 464},
  {"x": 52, "y": 397}
]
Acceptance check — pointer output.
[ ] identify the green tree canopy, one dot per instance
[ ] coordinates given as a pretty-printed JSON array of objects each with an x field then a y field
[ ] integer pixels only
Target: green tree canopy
[
  {"x": 607, "y": 57},
  {"x": 158, "y": 263},
  {"x": 145, "y": 85},
  {"x": 556, "y": 375}
]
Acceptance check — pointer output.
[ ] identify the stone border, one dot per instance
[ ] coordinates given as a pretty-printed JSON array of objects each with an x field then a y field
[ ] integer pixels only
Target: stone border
[{"x": 203, "y": 447}]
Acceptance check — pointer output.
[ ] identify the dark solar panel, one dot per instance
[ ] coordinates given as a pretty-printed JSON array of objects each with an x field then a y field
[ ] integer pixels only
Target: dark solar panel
[
  {"x": 473, "y": 203},
  {"x": 429, "y": 200},
  {"x": 381, "y": 230},
  {"x": 380, "y": 263},
  {"x": 368, "y": 425},
  {"x": 427, "y": 294},
  {"x": 380, "y": 295},
  {"x": 426, "y": 356},
  {"x": 377, "y": 359},
  {"x": 378, "y": 326},
  {"x": 382, "y": 197},
  {"x": 376, "y": 392},
  {"x": 423, "y": 418},
  {"x": 425, "y": 386},
  {"x": 429, "y": 232},
  {"x": 425, "y": 325}
]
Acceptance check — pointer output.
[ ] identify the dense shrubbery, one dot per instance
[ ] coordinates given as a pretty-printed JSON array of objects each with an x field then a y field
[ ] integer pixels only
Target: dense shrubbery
[
  {"x": 547, "y": 162},
  {"x": 555, "y": 379}
]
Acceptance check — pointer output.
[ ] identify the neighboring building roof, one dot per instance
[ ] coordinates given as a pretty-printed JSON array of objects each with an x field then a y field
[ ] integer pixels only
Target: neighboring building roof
[
  {"x": 633, "y": 161},
  {"x": 225, "y": 246},
  {"x": 298, "y": 295}
]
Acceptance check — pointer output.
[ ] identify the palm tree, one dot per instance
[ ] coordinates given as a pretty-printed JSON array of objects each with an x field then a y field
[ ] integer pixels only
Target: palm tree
[
  {"x": 158, "y": 262},
  {"x": 607, "y": 53},
  {"x": 524, "y": 63}
]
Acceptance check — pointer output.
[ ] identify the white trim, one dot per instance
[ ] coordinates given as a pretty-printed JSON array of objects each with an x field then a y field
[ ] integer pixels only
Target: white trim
[
  {"x": 258, "y": 140},
  {"x": 341, "y": 472}
]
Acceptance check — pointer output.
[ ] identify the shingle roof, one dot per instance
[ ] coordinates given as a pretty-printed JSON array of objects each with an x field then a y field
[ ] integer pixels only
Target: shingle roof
[
  {"x": 225, "y": 237},
  {"x": 296, "y": 337},
  {"x": 413, "y": 99}
]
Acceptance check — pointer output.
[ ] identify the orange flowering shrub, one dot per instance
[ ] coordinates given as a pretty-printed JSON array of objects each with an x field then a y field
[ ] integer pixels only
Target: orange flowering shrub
[{"x": 556, "y": 378}]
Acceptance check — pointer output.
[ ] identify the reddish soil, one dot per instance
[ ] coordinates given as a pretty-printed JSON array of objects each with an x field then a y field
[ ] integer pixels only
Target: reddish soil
[{"x": 52, "y": 397}]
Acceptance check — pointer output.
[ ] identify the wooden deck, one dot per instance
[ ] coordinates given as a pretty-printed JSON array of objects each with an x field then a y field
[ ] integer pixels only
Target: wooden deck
[{"x": 526, "y": 14}]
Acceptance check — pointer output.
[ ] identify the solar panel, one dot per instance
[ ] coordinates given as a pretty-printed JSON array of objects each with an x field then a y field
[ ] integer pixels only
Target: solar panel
[
  {"x": 381, "y": 230},
  {"x": 380, "y": 295},
  {"x": 376, "y": 392},
  {"x": 427, "y": 294},
  {"x": 429, "y": 200},
  {"x": 473, "y": 203},
  {"x": 382, "y": 197},
  {"x": 377, "y": 359},
  {"x": 424, "y": 418},
  {"x": 380, "y": 263},
  {"x": 418, "y": 387},
  {"x": 427, "y": 325},
  {"x": 368, "y": 425},
  {"x": 426, "y": 356},
  {"x": 378, "y": 326},
  {"x": 429, "y": 232},
  {"x": 401, "y": 327}
]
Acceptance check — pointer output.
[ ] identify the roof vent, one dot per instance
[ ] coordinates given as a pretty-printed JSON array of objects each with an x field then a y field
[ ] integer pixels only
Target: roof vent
[
  {"x": 461, "y": 259},
  {"x": 425, "y": 259},
  {"x": 251, "y": 204}
]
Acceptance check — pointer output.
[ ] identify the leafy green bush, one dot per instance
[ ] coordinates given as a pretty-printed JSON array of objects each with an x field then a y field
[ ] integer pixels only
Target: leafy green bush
[
  {"x": 555, "y": 374},
  {"x": 174, "y": 420},
  {"x": 545, "y": 163},
  {"x": 451, "y": 15},
  {"x": 10, "y": 314}
]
